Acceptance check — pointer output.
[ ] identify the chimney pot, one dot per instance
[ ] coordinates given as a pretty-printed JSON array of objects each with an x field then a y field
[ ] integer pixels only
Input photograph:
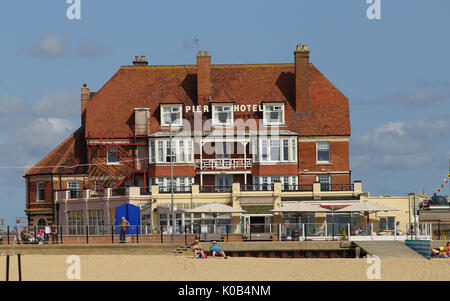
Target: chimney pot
[
  {"x": 302, "y": 94},
  {"x": 203, "y": 78}
]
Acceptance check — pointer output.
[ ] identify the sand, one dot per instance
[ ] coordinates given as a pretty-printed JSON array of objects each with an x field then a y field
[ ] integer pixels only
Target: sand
[{"x": 186, "y": 268}]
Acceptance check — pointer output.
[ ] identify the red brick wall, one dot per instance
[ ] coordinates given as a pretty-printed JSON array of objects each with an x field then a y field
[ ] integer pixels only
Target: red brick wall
[
  {"x": 338, "y": 157},
  {"x": 280, "y": 169},
  {"x": 178, "y": 171}
]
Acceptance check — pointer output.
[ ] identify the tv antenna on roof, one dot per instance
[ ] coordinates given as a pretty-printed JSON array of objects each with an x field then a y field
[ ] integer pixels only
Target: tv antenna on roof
[{"x": 196, "y": 43}]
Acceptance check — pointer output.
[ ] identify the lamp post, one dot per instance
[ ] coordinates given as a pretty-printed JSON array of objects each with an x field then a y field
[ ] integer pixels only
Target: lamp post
[{"x": 171, "y": 185}]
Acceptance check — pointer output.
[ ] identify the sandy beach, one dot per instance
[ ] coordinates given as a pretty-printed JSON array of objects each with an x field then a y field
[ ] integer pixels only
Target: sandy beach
[{"x": 186, "y": 268}]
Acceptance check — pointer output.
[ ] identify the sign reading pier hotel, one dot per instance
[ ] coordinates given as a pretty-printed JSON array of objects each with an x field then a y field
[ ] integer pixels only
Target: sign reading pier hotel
[{"x": 236, "y": 108}]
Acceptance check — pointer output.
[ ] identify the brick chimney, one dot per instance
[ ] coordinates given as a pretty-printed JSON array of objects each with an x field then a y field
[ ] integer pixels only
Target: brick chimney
[
  {"x": 140, "y": 60},
  {"x": 85, "y": 95},
  {"x": 302, "y": 96},
  {"x": 203, "y": 78}
]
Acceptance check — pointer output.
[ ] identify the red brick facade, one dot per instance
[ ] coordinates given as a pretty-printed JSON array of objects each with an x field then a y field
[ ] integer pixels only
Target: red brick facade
[{"x": 314, "y": 111}]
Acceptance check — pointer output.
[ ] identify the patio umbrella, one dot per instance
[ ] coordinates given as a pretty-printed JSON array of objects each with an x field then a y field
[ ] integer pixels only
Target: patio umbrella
[
  {"x": 215, "y": 209},
  {"x": 299, "y": 207},
  {"x": 366, "y": 207}
]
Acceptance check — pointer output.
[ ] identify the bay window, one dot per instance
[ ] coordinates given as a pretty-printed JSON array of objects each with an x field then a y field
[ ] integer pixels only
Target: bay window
[
  {"x": 275, "y": 150},
  {"x": 161, "y": 150}
]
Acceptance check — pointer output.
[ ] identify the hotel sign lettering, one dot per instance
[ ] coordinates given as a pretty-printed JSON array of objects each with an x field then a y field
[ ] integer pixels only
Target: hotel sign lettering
[{"x": 236, "y": 108}]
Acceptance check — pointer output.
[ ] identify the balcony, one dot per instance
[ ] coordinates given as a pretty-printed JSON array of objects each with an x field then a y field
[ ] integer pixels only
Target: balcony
[{"x": 223, "y": 164}]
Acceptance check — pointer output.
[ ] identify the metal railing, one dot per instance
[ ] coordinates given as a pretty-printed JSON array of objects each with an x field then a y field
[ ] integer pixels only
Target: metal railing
[
  {"x": 238, "y": 163},
  {"x": 301, "y": 187},
  {"x": 222, "y": 230},
  {"x": 176, "y": 189},
  {"x": 214, "y": 188},
  {"x": 257, "y": 187},
  {"x": 75, "y": 193}
]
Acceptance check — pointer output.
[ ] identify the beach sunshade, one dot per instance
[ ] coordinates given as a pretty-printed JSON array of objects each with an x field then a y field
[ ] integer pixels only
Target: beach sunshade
[
  {"x": 366, "y": 206},
  {"x": 299, "y": 207},
  {"x": 215, "y": 208}
]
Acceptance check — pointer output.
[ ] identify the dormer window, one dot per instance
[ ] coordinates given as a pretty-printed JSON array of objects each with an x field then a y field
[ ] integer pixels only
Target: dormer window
[
  {"x": 273, "y": 113},
  {"x": 171, "y": 115},
  {"x": 222, "y": 114}
]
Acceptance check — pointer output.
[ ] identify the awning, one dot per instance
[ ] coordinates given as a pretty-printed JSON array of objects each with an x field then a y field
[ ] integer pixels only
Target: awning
[
  {"x": 299, "y": 207},
  {"x": 366, "y": 207}
]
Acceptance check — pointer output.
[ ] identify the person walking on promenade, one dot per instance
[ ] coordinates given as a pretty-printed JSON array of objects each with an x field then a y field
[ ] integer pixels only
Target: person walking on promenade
[
  {"x": 17, "y": 238},
  {"x": 124, "y": 224},
  {"x": 54, "y": 233},
  {"x": 397, "y": 228}
]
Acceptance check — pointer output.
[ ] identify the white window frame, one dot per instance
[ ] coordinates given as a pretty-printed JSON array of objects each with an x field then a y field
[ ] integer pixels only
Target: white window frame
[
  {"x": 108, "y": 154},
  {"x": 216, "y": 122},
  {"x": 171, "y": 106},
  {"x": 264, "y": 146},
  {"x": 37, "y": 191},
  {"x": 328, "y": 182},
  {"x": 317, "y": 151},
  {"x": 274, "y": 104},
  {"x": 158, "y": 145},
  {"x": 292, "y": 180}
]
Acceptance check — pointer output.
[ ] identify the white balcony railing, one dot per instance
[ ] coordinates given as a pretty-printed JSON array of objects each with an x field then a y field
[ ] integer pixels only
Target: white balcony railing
[{"x": 231, "y": 164}]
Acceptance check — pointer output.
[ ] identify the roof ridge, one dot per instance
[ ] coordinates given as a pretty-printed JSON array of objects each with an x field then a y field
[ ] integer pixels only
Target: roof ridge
[{"x": 53, "y": 150}]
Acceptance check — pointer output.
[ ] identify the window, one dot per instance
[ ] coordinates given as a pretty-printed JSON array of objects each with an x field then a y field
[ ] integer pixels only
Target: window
[
  {"x": 223, "y": 150},
  {"x": 152, "y": 151},
  {"x": 285, "y": 150},
  {"x": 264, "y": 150},
  {"x": 171, "y": 115},
  {"x": 112, "y": 216},
  {"x": 275, "y": 150},
  {"x": 273, "y": 114},
  {"x": 387, "y": 223},
  {"x": 181, "y": 184},
  {"x": 180, "y": 150},
  {"x": 76, "y": 222},
  {"x": 113, "y": 154},
  {"x": 288, "y": 182},
  {"x": 222, "y": 114},
  {"x": 40, "y": 192},
  {"x": 325, "y": 182},
  {"x": 75, "y": 190},
  {"x": 96, "y": 222},
  {"x": 323, "y": 152}
]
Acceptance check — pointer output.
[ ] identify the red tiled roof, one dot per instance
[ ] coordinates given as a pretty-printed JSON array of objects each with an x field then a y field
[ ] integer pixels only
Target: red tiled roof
[
  {"x": 110, "y": 111},
  {"x": 70, "y": 152}
]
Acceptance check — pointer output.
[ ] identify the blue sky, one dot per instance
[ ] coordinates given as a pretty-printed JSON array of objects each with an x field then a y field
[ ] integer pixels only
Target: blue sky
[{"x": 395, "y": 72}]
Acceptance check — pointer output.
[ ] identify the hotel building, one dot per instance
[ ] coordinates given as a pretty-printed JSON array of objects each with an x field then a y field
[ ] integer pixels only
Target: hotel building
[{"x": 251, "y": 136}]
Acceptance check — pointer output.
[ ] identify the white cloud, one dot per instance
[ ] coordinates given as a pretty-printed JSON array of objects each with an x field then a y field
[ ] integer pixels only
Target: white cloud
[
  {"x": 58, "y": 104},
  {"x": 51, "y": 46},
  {"x": 418, "y": 98},
  {"x": 43, "y": 134},
  {"x": 10, "y": 105},
  {"x": 399, "y": 145},
  {"x": 88, "y": 49}
]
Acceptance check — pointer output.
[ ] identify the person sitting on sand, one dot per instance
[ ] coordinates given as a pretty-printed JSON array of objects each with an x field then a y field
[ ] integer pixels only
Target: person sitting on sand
[
  {"x": 198, "y": 250},
  {"x": 447, "y": 248},
  {"x": 439, "y": 253},
  {"x": 216, "y": 249}
]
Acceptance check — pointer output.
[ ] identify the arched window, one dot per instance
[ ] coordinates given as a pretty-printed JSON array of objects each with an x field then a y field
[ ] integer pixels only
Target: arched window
[{"x": 41, "y": 222}]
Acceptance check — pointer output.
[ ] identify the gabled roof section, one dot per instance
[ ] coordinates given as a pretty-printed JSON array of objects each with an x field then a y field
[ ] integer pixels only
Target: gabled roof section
[
  {"x": 65, "y": 158},
  {"x": 110, "y": 111}
]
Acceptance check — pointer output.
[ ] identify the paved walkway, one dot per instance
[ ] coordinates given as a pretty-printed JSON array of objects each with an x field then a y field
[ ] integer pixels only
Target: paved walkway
[{"x": 396, "y": 249}]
